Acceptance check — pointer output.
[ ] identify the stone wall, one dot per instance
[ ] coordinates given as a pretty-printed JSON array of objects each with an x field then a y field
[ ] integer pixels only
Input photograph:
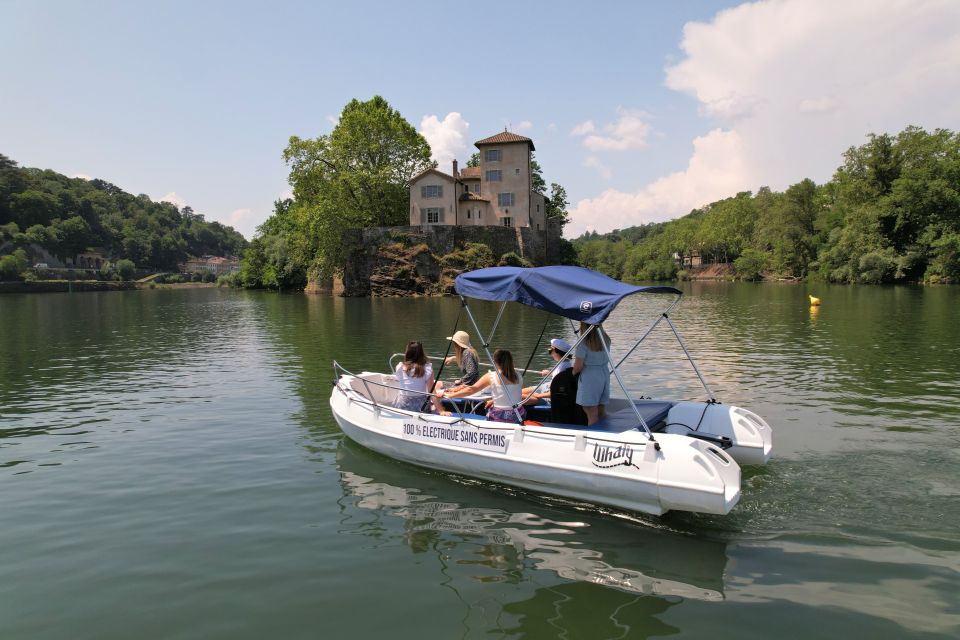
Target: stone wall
[{"x": 398, "y": 261}]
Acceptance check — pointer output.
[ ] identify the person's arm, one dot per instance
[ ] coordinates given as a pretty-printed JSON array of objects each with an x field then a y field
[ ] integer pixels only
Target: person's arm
[
  {"x": 577, "y": 365},
  {"x": 479, "y": 385}
]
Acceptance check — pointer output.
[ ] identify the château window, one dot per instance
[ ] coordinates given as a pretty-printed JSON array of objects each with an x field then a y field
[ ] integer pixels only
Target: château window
[
  {"x": 505, "y": 199},
  {"x": 508, "y": 221},
  {"x": 466, "y": 188},
  {"x": 494, "y": 175},
  {"x": 468, "y": 214},
  {"x": 431, "y": 191},
  {"x": 432, "y": 215},
  {"x": 516, "y": 171},
  {"x": 493, "y": 155}
]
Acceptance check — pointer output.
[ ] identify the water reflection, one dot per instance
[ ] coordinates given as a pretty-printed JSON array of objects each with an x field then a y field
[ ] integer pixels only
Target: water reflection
[{"x": 570, "y": 545}]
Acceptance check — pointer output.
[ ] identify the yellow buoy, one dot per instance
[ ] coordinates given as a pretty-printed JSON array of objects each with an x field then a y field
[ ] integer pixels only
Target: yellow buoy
[{"x": 814, "y": 302}]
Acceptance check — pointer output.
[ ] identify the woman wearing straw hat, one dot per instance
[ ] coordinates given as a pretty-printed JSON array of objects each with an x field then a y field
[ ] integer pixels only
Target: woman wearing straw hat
[{"x": 466, "y": 359}]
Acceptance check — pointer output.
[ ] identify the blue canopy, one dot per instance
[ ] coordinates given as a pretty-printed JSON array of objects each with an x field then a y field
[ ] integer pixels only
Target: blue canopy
[{"x": 571, "y": 292}]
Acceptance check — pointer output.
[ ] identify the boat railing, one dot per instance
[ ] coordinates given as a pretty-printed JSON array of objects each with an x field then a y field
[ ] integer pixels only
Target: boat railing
[
  {"x": 392, "y": 362},
  {"x": 518, "y": 429}
]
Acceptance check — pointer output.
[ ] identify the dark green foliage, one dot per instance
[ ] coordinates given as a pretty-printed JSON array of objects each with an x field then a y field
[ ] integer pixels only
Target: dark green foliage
[
  {"x": 67, "y": 216},
  {"x": 11, "y": 266},
  {"x": 126, "y": 269},
  {"x": 891, "y": 213},
  {"x": 473, "y": 256},
  {"x": 751, "y": 264},
  {"x": 511, "y": 259}
]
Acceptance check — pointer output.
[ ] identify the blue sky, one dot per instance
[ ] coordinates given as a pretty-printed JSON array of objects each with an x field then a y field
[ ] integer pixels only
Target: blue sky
[{"x": 641, "y": 110}]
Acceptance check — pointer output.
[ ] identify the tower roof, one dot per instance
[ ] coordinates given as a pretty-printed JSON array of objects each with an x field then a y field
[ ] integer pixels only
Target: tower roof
[{"x": 505, "y": 137}]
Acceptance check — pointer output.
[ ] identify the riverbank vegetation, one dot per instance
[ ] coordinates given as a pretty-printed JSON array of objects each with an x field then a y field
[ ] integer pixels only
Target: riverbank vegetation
[
  {"x": 356, "y": 177},
  {"x": 891, "y": 213},
  {"x": 66, "y": 216}
]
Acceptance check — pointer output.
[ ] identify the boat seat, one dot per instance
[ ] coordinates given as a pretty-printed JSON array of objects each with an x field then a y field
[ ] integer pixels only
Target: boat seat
[{"x": 654, "y": 412}]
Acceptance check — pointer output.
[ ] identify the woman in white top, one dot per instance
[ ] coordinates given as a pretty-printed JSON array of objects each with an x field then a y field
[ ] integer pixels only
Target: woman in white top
[
  {"x": 415, "y": 376},
  {"x": 505, "y": 395}
]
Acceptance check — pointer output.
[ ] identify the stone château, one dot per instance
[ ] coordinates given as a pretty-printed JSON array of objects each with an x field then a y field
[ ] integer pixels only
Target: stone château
[{"x": 497, "y": 193}]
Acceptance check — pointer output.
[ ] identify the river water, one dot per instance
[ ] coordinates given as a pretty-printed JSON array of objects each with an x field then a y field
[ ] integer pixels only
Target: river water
[{"x": 169, "y": 468}]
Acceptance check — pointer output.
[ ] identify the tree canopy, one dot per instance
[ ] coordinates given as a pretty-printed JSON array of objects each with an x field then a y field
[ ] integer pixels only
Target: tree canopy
[
  {"x": 66, "y": 216},
  {"x": 357, "y": 176},
  {"x": 891, "y": 213}
]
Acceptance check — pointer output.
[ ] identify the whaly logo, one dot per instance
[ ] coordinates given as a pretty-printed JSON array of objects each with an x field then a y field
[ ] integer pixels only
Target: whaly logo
[
  {"x": 586, "y": 306},
  {"x": 606, "y": 456}
]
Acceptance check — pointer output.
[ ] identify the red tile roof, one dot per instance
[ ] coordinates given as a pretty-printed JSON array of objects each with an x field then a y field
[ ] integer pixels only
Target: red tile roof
[
  {"x": 470, "y": 173},
  {"x": 505, "y": 137}
]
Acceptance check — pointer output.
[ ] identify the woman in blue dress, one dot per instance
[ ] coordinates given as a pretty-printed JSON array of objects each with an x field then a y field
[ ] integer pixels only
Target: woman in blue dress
[{"x": 590, "y": 362}]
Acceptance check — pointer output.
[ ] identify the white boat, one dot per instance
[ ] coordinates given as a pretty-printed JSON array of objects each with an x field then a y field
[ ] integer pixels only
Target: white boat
[{"x": 652, "y": 456}]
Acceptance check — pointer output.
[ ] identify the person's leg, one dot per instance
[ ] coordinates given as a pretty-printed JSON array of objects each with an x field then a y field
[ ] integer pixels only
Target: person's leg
[{"x": 592, "y": 414}]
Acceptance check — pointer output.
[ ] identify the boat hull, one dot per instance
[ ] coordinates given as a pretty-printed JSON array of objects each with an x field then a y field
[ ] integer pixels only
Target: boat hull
[{"x": 621, "y": 470}]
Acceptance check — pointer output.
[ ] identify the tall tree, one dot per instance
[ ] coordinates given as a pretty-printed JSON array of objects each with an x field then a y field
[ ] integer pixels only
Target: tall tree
[
  {"x": 358, "y": 176},
  {"x": 474, "y": 160},
  {"x": 537, "y": 183},
  {"x": 557, "y": 204}
]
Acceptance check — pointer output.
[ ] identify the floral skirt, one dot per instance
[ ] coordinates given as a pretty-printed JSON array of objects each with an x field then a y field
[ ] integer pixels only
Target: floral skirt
[
  {"x": 413, "y": 403},
  {"x": 497, "y": 414}
]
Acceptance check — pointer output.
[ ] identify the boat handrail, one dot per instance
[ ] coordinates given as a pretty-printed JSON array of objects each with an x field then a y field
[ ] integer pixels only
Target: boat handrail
[
  {"x": 392, "y": 363},
  {"x": 339, "y": 369}
]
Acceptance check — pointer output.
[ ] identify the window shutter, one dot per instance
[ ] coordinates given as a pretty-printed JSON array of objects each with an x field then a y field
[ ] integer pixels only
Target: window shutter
[
  {"x": 423, "y": 216},
  {"x": 423, "y": 192},
  {"x": 440, "y": 215},
  {"x": 440, "y": 191}
]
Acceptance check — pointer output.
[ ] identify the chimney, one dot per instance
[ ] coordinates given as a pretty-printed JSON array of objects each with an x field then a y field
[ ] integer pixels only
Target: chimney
[{"x": 455, "y": 168}]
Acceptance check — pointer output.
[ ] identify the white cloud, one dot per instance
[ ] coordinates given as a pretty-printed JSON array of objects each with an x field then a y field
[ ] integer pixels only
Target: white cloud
[
  {"x": 792, "y": 84},
  {"x": 551, "y": 127},
  {"x": 628, "y": 132},
  {"x": 523, "y": 126},
  {"x": 583, "y": 128},
  {"x": 817, "y": 105},
  {"x": 172, "y": 198},
  {"x": 82, "y": 176},
  {"x": 447, "y": 137},
  {"x": 714, "y": 172},
  {"x": 602, "y": 169}
]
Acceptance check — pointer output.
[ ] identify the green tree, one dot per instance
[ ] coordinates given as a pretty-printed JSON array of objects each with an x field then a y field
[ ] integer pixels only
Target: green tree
[
  {"x": 11, "y": 266},
  {"x": 126, "y": 269},
  {"x": 358, "y": 176},
  {"x": 474, "y": 160},
  {"x": 750, "y": 264},
  {"x": 537, "y": 183},
  {"x": 557, "y": 204}
]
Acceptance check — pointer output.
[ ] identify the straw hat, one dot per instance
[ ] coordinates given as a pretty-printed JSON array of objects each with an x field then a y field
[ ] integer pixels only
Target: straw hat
[{"x": 461, "y": 338}]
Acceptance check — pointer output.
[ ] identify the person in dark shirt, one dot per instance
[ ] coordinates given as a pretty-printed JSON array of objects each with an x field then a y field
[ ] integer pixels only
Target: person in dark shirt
[{"x": 465, "y": 356}]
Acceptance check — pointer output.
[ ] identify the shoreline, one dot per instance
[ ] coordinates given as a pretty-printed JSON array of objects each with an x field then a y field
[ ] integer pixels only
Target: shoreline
[{"x": 78, "y": 286}]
